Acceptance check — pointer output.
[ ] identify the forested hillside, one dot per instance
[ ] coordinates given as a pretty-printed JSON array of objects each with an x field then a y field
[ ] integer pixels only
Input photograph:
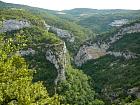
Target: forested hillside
[
  {"x": 115, "y": 76},
  {"x": 99, "y": 20},
  {"x": 71, "y": 57},
  {"x": 41, "y": 51}
]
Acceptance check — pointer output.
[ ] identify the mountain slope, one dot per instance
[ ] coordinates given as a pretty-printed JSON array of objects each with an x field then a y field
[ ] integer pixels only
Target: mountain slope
[
  {"x": 108, "y": 64},
  {"x": 117, "y": 73},
  {"x": 47, "y": 55},
  {"x": 99, "y": 20}
]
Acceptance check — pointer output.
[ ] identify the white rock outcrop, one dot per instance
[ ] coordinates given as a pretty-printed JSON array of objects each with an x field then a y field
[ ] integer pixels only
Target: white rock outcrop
[
  {"x": 64, "y": 34},
  {"x": 126, "y": 55},
  {"x": 87, "y": 53},
  {"x": 118, "y": 23},
  {"x": 12, "y": 24},
  {"x": 26, "y": 52},
  {"x": 134, "y": 91}
]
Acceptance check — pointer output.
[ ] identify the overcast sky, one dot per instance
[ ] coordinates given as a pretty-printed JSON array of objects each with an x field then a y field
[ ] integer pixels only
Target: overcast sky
[{"x": 69, "y": 4}]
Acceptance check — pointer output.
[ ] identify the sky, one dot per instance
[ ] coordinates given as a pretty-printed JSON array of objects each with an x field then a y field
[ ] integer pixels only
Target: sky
[{"x": 70, "y": 4}]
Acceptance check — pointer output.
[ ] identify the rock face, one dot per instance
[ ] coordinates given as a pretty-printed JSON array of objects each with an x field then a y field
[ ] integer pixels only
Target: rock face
[
  {"x": 126, "y": 55},
  {"x": 118, "y": 23},
  {"x": 56, "y": 54},
  {"x": 87, "y": 53},
  {"x": 93, "y": 50},
  {"x": 26, "y": 52},
  {"x": 134, "y": 91},
  {"x": 64, "y": 34},
  {"x": 9, "y": 25}
]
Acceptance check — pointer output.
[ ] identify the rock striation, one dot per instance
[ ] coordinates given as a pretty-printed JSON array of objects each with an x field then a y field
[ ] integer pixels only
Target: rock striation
[
  {"x": 93, "y": 50},
  {"x": 10, "y": 25}
]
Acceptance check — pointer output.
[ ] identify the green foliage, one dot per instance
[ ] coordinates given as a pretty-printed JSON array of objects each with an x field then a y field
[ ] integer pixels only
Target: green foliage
[
  {"x": 136, "y": 102},
  {"x": 45, "y": 71},
  {"x": 33, "y": 36},
  {"x": 16, "y": 85},
  {"x": 38, "y": 35},
  {"x": 22, "y": 86},
  {"x": 116, "y": 74},
  {"x": 80, "y": 33},
  {"x": 129, "y": 42},
  {"x": 76, "y": 90},
  {"x": 6, "y": 14},
  {"x": 37, "y": 39},
  {"x": 1, "y": 23},
  {"x": 99, "y": 22},
  {"x": 113, "y": 74}
]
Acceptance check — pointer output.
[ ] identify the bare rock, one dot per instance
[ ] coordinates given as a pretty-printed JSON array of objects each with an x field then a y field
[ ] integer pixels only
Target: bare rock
[
  {"x": 118, "y": 23},
  {"x": 9, "y": 25},
  {"x": 134, "y": 91},
  {"x": 94, "y": 50},
  {"x": 126, "y": 55},
  {"x": 56, "y": 54},
  {"x": 88, "y": 52},
  {"x": 64, "y": 34}
]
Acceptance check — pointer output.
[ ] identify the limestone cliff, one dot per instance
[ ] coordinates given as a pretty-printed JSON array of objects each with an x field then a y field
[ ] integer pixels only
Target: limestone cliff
[
  {"x": 63, "y": 34},
  {"x": 126, "y": 54},
  {"x": 88, "y": 52},
  {"x": 56, "y": 54},
  {"x": 94, "y": 50},
  {"x": 135, "y": 91},
  {"x": 11, "y": 24},
  {"x": 26, "y": 52}
]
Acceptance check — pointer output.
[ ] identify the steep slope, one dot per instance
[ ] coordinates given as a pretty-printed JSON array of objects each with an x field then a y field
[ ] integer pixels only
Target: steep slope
[
  {"x": 101, "y": 22},
  {"x": 32, "y": 30},
  {"x": 47, "y": 55},
  {"x": 100, "y": 47},
  {"x": 110, "y": 62},
  {"x": 75, "y": 33},
  {"x": 116, "y": 64},
  {"x": 53, "y": 19}
]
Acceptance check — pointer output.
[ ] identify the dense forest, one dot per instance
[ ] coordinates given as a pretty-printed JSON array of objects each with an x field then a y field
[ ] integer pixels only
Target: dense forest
[{"x": 76, "y": 58}]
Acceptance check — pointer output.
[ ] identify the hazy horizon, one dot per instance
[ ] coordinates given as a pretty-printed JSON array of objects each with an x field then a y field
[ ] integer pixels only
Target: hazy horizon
[{"x": 66, "y": 5}]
